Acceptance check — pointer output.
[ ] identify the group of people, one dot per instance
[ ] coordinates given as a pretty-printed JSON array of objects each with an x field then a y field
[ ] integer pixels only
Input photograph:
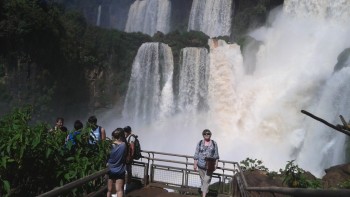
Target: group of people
[
  {"x": 205, "y": 160},
  {"x": 122, "y": 151},
  {"x": 97, "y": 132},
  {"x": 121, "y": 154}
]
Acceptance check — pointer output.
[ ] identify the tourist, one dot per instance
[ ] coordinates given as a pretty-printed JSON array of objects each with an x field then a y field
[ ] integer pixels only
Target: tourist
[
  {"x": 206, "y": 160},
  {"x": 71, "y": 138},
  {"x": 58, "y": 125},
  {"x": 98, "y": 133},
  {"x": 130, "y": 139},
  {"x": 116, "y": 163}
]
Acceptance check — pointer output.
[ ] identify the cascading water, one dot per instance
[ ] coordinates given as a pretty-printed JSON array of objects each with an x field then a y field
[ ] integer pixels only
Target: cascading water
[
  {"x": 150, "y": 93},
  {"x": 327, "y": 9},
  {"x": 193, "y": 82},
  {"x": 257, "y": 115},
  {"x": 321, "y": 146},
  {"x": 149, "y": 16},
  {"x": 98, "y": 21},
  {"x": 213, "y": 17}
]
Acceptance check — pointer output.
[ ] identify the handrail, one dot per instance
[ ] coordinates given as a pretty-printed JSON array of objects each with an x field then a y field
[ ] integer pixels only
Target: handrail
[
  {"x": 237, "y": 171},
  {"x": 72, "y": 185},
  {"x": 225, "y": 171},
  {"x": 180, "y": 155},
  {"x": 151, "y": 159}
]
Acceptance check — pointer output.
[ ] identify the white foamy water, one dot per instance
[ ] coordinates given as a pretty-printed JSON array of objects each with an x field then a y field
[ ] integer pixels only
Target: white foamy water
[
  {"x": 150, "y": 92},
  {"x": 213, "y": 17},
  {"x": 257, "y": 115},
  {"x": 193, "y": 79},
  {"x": 98, "y": 21},
  {"x": 149, "y": 16}
]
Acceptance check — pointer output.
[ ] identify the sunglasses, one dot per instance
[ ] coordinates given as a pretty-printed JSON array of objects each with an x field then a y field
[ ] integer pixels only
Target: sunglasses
[{"x": 207, "y": 134}]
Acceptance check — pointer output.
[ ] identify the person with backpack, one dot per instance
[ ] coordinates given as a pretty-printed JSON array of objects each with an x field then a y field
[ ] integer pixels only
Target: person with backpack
[
  {"x": 71, "y": 137},
  {"x": 134, "y": 152},
  {"x": 97, "y": 132},
  {"x": 116, "y": 163},
  {"x": 206, "y": 159}
]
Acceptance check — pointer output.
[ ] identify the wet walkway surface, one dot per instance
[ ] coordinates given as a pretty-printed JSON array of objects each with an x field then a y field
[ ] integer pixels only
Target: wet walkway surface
[
  {"x": 136, "y": 189},
  {"x": 155, "y": 192}
]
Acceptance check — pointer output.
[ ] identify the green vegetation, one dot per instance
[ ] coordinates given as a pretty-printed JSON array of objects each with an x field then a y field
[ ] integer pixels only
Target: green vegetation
[
  {"x": 34, "y": 160},
  {"x": 292, "y": 175},
  {"x": 252, "y": 164},
  {"x": 345, "y": 184}
]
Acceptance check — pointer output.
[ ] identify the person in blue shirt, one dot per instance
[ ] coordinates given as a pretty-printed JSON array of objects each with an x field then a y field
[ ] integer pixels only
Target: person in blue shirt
[
  {"x": 116, "y": 163},
  {"x": 206, "y": 160},
  {"x": 78, "y": 126}
]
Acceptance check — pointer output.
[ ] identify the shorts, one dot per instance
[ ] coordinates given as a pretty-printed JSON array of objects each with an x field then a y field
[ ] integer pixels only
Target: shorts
[{"x": 115, "y": 176}]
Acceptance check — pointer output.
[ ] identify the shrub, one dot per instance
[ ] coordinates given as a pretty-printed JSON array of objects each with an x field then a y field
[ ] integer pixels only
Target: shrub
[
  {"x": 34, "y": 160},
  {"x": 295, "y": 177},
  {"x": 252, "y": 164}
]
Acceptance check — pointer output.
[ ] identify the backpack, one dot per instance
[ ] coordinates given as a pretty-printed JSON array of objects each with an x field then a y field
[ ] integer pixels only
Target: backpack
[
  {"x": 137, "y": 147},
  {"x": 71, "y": 137}
]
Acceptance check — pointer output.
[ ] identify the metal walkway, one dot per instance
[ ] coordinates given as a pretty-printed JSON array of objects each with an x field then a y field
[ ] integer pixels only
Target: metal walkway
[{"x": 175, "y": 172}]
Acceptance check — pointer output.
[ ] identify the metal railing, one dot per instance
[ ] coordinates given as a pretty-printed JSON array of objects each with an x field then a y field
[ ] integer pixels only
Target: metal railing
[
  {"x": 166, "y": 170},
  {"x": 175, "y": 171},
  {"x": 80, "y": 182}
]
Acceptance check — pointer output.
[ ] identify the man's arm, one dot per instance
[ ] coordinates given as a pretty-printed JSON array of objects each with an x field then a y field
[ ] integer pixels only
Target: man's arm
[
  {"x": 132, "y": 148},
  {"x": 103, "y": 133}
]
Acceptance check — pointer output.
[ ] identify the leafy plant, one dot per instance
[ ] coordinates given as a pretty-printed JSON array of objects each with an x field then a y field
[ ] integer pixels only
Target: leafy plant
[
  {"x": 295, "y": 177},
  {"x": 345, "y": 184},
  {"x": 252, "y": 164},
  {"x": 34, "y": 160}
]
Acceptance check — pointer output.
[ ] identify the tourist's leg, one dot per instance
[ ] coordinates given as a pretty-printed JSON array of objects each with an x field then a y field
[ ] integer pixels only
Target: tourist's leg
[
  {"x": 201, "y": 175},
  {"x": 128, "y": 173},
  {"x": 119, "y": 185},
  {"x": 109, "y": 187},
  {"x": 206, "y": 182}
]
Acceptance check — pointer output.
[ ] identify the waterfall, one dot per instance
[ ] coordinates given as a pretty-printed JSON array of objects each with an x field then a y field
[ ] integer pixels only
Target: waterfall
[
  {"x": 324, "y": 146},
  {"x": 226, "y": 67},
  {"x": 149, "y": 16},
  {"x": 213, "y": 17},
  {"x": 327, "y": 9},
  {"x": 254, "y": 115},
  {"x": 193, "y": 82},
  {"x": 295, "y": 69},
  {"x": 150, "y": 92},
  {"x": 98, "y": 21}
]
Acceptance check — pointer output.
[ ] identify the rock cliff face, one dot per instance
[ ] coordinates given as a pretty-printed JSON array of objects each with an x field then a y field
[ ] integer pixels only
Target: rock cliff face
[{"x": 336, "y": 176}]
